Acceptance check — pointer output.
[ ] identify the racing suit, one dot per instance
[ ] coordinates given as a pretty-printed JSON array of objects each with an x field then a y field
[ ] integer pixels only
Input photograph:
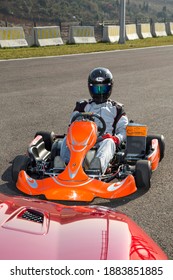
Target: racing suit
[{"x": 116, "y": 120}]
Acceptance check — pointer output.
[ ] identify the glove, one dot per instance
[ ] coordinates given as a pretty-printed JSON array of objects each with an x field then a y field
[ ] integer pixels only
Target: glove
[{"x": 114, "y": 138}]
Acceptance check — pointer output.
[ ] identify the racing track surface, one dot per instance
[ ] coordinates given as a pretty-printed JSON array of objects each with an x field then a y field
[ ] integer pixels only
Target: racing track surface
[{"x": 39, "y": 94}]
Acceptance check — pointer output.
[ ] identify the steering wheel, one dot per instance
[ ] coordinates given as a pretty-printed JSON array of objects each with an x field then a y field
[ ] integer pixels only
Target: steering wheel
[{"x": 91, "y": 117}]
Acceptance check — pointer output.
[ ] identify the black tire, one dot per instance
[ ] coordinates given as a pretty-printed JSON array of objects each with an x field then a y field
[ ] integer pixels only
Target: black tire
[
  {"x": 48, "y": 138},
  {"x": 20, "y": 162},
  {"x": 143, "y": 174},
  {"x": 161, "y": 141}
]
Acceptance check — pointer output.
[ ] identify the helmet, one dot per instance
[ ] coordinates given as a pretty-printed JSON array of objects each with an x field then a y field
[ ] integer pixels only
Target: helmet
[{"x": 100, "y": 83}]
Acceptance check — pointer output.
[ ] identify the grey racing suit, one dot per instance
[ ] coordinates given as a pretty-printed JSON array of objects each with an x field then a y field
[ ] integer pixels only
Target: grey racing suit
[{"x": 116, "y": 120}]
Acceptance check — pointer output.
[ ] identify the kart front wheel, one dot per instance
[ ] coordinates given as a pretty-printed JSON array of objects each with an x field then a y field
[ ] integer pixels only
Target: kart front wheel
[
  {"x": 143, "y": 174},
  {"x": 20, "y": 162}
]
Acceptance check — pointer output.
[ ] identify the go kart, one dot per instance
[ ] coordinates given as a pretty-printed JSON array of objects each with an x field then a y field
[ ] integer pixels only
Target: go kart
[{"x": 42, "y": 172}]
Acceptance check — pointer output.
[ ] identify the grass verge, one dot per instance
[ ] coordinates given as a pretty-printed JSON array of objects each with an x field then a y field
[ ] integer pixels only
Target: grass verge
[{"x": 13, "y": 53}]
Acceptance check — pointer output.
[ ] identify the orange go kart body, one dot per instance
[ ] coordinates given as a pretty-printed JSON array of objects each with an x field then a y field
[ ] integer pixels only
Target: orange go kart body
[{"x": 73, "y": 183}]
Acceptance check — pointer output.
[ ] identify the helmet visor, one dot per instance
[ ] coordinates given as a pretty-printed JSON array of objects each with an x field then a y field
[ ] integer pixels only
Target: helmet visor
[{"x": 100, "y": 89}]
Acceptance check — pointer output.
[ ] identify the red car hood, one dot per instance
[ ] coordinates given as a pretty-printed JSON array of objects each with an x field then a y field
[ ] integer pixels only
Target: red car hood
[{"x": 37, "y": 229}]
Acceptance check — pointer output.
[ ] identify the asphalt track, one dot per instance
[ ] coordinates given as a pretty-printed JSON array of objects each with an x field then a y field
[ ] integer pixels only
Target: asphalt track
[{"x": 39, "y": 94}]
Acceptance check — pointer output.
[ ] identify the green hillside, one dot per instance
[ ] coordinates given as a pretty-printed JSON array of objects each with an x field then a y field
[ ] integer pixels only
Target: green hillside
[{"x": 85, "y": 10}]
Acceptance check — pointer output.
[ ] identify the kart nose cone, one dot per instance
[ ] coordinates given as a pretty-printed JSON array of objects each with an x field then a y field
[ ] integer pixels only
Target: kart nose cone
[{"x": 86, "y": 136}]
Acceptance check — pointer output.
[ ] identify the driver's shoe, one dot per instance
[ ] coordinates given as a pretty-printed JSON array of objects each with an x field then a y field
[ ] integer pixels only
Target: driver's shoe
[{"x": 95, "y": 164}]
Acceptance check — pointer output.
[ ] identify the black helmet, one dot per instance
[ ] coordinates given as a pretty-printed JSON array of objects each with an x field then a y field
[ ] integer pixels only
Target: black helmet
[{"x": 100, "y": 83}]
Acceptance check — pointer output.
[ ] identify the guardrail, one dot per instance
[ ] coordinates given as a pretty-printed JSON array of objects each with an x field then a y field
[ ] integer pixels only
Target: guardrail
[
  {"x": 12, "y": 37},
  {"x": 46, "y": 36},
  {"x": 169, "y": 28},
  {"x": 81, "y": 34},
  {"x": 51, "y": 35},
  {"x": 111, "y": 33},
  {"x": 144, "y": 30},
  {"x": 158, "y": 29}
]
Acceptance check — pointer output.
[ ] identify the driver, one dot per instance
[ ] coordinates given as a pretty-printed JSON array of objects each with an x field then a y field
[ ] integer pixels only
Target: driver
[{"x": 100, "y": 84}]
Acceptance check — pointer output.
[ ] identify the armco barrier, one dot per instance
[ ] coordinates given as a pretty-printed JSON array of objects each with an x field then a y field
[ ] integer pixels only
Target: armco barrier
[
  {"x": 46, "y": 36},
  {"x": 169, "y": 28},
  {"x": 158, "y": 29},
  {"x": 81, "y": 34},
  {"x": 12, "y": 37},
  {"x": 111, "y": 33},
  {"x": 131, "y": 32},
  {"x": 144, "y": 30}
]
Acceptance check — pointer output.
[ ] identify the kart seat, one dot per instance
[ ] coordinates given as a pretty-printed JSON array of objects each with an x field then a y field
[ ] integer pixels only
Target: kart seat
[{"x": 37, "y": 149}]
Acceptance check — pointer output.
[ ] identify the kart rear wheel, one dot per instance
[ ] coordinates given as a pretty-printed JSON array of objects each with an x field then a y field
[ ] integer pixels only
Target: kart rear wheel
[
  {"x": 48, "y": 138},
  {"x": 143, "y": 174},
  {"x": 161, "y": 141},
  {"x": 20, "y": 162}
]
